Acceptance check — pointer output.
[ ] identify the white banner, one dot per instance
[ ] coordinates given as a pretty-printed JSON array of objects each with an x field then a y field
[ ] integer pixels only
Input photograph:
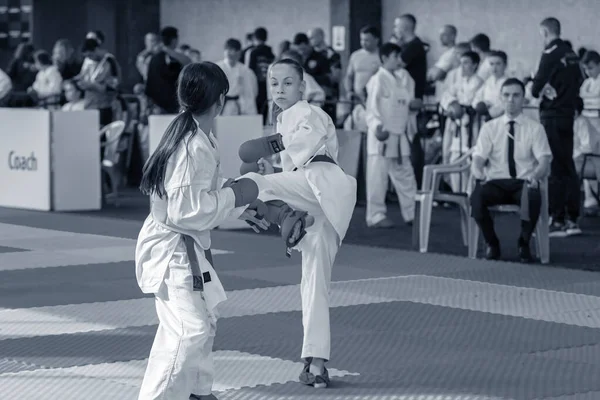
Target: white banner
[
  {"x": 76, "y": 183},
  {"x": 25, "y": 159}
]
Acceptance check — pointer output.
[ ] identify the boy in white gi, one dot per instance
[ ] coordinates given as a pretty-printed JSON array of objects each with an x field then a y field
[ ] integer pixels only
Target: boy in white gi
[
  {"x": 458, "y": 135},
  {"x": 390, "y": 95},
  {"x": 310, "y": 181},
  {"x": 173, "y": 260},
  {"x": 488, "y": 101},
  {"x": 243, "y": 86}
]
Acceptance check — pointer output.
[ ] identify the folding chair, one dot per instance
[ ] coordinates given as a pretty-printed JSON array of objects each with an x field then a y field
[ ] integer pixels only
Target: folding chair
[
  {"x": 111, "y": 162},
  {"x": 430, "y": 192}
]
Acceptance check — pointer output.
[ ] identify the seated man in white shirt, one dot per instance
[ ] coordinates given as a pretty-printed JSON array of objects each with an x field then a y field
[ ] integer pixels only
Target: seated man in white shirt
[
  {"x": 512, "y": 153},
  {"x": 487, "y": 101}
]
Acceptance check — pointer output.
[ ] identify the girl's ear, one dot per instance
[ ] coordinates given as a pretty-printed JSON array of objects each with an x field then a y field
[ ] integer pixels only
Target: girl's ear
[
  {"x": 303, "y": 87},
  {"x": 220, "y": 104}
]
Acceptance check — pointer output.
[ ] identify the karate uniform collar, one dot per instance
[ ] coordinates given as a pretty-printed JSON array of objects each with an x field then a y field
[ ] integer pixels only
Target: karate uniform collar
[
  {"x": 518, "y": 120},
  {"x": 210, "y": 136},
  {"x": 299, "y": 104}
]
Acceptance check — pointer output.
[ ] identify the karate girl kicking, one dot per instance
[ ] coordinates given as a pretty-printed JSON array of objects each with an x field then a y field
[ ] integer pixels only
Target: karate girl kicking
[
  {"x": 173, "y": 260},
  {"x": 310, "y": 181}
]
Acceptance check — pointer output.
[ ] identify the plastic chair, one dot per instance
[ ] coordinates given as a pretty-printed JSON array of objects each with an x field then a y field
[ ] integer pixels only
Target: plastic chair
[
  {"x": 590, "y": 169},
  {"x": 111, "y": 160},
  {"x": 542, "y": 238},
  {"x": 430, "y": 192}
]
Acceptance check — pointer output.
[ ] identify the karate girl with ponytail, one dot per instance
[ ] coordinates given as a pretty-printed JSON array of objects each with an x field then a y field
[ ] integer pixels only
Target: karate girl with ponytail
[{"x": 173, "y": 261}]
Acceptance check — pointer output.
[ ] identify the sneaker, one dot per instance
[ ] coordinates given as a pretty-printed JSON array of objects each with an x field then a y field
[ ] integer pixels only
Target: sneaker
[
  {"x": 385, "y": 223},
  {"x": 572, "y": 229},
  {"x": 557, "y": 229}
]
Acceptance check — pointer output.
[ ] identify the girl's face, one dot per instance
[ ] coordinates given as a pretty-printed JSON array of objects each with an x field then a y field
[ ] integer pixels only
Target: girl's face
[
  {"x": 71, "y": 93},
  {"x": 285, "y": 85},
  {"x": 592, "y": 69}
]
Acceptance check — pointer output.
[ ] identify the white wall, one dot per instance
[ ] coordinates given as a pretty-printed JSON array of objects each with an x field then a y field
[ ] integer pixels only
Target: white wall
[
  {"x": 512, "y": 25},
  {"x": 206, "y": 24}
]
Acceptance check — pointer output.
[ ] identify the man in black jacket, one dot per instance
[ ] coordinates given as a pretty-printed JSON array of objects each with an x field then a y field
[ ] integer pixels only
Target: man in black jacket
[
  {"x": 557, "y": 82},
  {"x": 163, "y": 70}
]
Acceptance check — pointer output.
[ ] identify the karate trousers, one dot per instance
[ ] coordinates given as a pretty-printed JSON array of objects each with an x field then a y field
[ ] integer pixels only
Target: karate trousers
[
  {"x": 402, "y": 175},
  {"x": 180, "y": 362},
  {"x": 319, "y": 248}
]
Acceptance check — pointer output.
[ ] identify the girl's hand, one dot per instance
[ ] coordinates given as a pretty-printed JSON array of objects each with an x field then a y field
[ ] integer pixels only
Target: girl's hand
[{"x": 265, "y": 167}]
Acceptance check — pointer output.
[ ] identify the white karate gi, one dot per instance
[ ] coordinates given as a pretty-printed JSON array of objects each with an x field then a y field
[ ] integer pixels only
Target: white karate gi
[
  {"x": 456, "y": 133},
  {"x": 388, "y": 98},
  {"x": 242, "y": 84},
  {"x": 180, "y": 361},
  {"x": 48, "y": 82},
  {"x": 328, "y": 194},
  {"x": 489, "y": 93}
]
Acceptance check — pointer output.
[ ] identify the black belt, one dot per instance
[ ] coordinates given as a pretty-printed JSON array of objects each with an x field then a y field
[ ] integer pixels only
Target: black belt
[
  {"x": 200, "y": 278},
  {"x": 231, "y": 98},
  {"x": 320, "y": 158}
]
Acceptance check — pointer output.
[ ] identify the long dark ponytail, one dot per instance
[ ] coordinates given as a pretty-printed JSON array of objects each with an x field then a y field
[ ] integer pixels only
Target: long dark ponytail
[{"x": 199, "y": 87}]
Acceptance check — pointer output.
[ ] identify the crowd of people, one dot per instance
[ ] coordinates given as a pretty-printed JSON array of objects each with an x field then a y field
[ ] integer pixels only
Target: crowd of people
[{"x": 465, "y": 83}]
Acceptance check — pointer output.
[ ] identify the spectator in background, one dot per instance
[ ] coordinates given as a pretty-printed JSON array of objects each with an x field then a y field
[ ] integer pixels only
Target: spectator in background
[
  {"x": 99, "y": 37},
  {"x": 143, "y": 58},
  {"x": 74, "y": 96},
  {"x": 185, "y": 49},
  {"x": 447, "y": 61},
  {"x": 248, "y": 46},
  {"x": 282, "y": 47},
  {"x": 243, "y": 86},
  {"x": 47, "y": 88},
  {"x": 480, "y": 44},
  {"x": 63, "y": 56},
  {"x": 557, "y": 83},
  {"x": 313, "y": 62},
  {"x": 100, "y": 82},
  {"x": 487, "y": 101},
  {"x": 332, "y": 88},
  {"x": 5, "y": 88},
  {"x": 586, "y": 141},
  {"x": 21, "y": 68},
  {"x": 590, "y": 89},
  {"x": 317, "y": 40},
  {"x": 195, "y": 55},
  {"x": 414, "y": 56},
  {"x": 163, "y": 71},
  {"x": 363, "y": 63},
  {"x": 259, "y": 60}
]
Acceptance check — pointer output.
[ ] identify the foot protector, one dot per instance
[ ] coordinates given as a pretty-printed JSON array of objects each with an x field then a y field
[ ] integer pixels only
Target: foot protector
[
  {"x": 293, "y": 229},
  {"x": 317, "y": 381}
]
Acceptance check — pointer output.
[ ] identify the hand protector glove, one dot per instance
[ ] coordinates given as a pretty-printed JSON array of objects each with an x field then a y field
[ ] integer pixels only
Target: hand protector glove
[
  {"x": 255, "y": 149},
  {"x": 245, "y": 191}
]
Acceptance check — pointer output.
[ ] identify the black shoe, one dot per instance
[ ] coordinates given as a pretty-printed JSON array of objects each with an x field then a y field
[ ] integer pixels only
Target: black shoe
[
  {"x": 492, "y": 252},
  {"x": 525, "y": 252},
  {"x": 557, "y": 230}
]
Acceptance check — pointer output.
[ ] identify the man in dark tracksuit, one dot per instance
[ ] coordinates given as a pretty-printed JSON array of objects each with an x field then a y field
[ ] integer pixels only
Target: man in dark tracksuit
[{"x": 557, "y": 82}]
